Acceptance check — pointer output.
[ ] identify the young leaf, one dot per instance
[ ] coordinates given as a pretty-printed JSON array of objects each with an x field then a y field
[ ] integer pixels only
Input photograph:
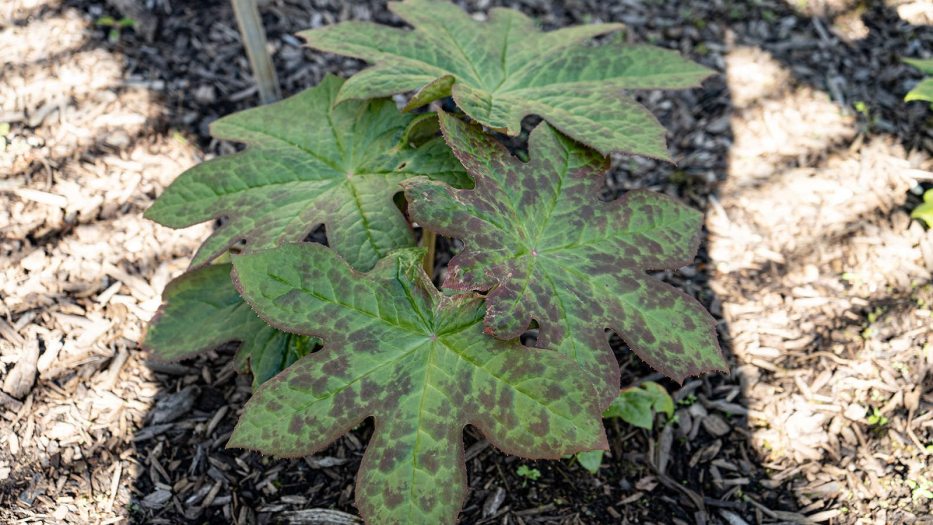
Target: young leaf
[
  {"x": 925, "y": 66},
  {"x": 924, "y": 89},
  {"x": 539, "y": 239},
  {"x": 309, "y": 163},
  {"x": 590, "y": 460},
  {"x": 418, "y": 362},
  {"x": 504, "y": 69},
  {"x": 924, "y": 212},
  {"x": 201, "y": 310},
  {"x": 637, "y": 406}
]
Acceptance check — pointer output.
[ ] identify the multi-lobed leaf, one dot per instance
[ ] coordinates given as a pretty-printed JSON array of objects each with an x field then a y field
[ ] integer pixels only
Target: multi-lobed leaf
[
  {"x": 308, "y": 163},
  {"x": 503, "y": 69},
  {"x": 540, "y": 240},
  {"x": 418, "y": 362},
  {"x": 201, "y": 310}
]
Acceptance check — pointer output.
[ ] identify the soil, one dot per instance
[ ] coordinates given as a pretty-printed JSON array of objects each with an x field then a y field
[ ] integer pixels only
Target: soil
[{"x": 801, "y": 152}]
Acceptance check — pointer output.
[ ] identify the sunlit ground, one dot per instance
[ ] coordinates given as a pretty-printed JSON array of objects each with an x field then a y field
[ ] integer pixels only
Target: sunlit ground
[
  {"x": 76, "y": 171},
  {"x": 825, "y": 288}
]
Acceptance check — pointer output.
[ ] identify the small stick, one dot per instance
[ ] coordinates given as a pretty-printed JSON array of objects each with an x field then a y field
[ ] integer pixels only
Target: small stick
[
  {"x": 428, "y": 240},
  {"x": 254, "y": 40}
]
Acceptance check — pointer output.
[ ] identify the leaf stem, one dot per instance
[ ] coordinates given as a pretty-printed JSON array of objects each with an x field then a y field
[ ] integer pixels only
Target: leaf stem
[{"x": 428, "y": 240}]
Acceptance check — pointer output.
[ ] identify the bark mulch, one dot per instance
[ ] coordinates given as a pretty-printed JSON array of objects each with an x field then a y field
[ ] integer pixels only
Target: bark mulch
[{"x": 801, "y": 152}]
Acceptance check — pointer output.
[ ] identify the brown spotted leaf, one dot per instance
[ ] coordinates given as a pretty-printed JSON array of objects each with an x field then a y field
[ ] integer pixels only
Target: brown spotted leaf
[
  {"x": 540, "y": 240},
  {"x": 308, "y": 163},
  {"x": 397, "y": 350},
  {"x": 201, "y": 310},
  {"x": 503, "y": 69}
]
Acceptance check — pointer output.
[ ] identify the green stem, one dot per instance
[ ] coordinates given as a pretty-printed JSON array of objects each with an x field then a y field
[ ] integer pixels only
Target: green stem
[{"x": 428, "y": 240}]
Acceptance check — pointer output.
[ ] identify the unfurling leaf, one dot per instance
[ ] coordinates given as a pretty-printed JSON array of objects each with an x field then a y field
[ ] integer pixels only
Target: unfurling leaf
[
  {"x": 505, "y": 68},
  {"x": 418, "y": 362},
  {"x": 540, "y": 240},
  {"x": 201, "y": 310},
  {"x": 308, "y": 163}
]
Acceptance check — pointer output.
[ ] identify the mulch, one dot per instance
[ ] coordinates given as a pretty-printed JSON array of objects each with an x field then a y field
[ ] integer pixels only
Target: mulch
[{"x": 802, "y": 154}]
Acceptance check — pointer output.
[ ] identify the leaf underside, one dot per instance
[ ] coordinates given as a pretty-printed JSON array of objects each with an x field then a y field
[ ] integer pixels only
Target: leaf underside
[
  {"x": 418, "y": 362},
  {"x": 201, "y": 310},
  {"x": 308, "y": 163},
  {"x": 539, "y": 239},
  {"x": 505, "y": 68}
]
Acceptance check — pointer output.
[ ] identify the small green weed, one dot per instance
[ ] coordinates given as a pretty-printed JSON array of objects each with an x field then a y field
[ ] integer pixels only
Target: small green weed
[{"x": 526, "y": 472}]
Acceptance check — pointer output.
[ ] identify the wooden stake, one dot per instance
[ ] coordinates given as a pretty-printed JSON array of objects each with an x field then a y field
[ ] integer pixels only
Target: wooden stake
[{"x": 254, "y": 40}]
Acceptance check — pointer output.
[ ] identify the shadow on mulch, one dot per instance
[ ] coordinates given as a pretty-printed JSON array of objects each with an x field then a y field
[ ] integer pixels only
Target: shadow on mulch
[{"x": 702, "y": 469}]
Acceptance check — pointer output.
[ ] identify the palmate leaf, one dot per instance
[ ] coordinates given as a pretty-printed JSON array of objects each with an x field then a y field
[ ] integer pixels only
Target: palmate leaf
[
  {"x": 418, "y": 362},
  {"x": 308, "y": 163},
  {"x": 539, "y": 239},
  {"x": 504, "y": 69},
  {"x": 201, "y": 310}
]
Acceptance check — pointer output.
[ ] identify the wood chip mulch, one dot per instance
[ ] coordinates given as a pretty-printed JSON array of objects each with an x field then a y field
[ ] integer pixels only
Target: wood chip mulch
[{"x": 802, "y": 154}]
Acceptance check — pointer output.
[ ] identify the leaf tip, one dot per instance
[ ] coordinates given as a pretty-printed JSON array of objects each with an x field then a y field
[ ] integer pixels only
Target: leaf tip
[{"x": 236, "y": 438}]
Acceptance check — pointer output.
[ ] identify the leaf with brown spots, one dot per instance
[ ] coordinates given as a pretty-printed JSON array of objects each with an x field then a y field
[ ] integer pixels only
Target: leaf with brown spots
[
  {"x": 201, "y": 310},
  {"x": 540, "y": 240},
  {"x": 308, "y": 163},
  {"x": 398, "y": 350},
  {"x": 504, "y": 68}
]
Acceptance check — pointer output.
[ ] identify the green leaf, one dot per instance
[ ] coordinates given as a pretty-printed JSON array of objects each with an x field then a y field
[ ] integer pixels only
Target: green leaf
[
  {"x": 418, "y": 362},
  {"x": 924, "y": 65},
  {"x": 661, "y": 401},
  {"x": 308, "y": 163},
  {"x": 590, "y": 460},
  {"x": 528, "y": 473},
  {"x": 924, "y": 212},
  {"x": 538, "y": 237},
  {"x": 201, "y": 310},
  {"x": 922, "y": 91},
  {"x": 505, "y": 68},
  {"x": 637, "y": 406}
]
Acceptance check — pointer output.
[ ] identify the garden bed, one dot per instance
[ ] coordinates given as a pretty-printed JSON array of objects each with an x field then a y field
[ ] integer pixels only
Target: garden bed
[{"x": 801, "y": 153}]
